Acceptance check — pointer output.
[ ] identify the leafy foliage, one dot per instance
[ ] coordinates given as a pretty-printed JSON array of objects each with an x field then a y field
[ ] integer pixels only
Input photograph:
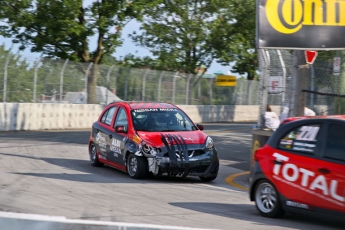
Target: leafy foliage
[{"x": 62, "y": 29}]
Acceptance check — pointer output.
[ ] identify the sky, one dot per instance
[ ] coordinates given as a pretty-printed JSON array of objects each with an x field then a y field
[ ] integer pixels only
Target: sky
[{"x": 128, "y": 47}]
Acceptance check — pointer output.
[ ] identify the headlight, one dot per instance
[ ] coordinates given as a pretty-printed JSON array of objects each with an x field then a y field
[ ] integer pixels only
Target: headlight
[{"x": 209, "y": 143}]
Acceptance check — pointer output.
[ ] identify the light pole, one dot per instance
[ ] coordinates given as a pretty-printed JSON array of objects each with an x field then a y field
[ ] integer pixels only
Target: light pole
[{"x": 5, "y": 73}]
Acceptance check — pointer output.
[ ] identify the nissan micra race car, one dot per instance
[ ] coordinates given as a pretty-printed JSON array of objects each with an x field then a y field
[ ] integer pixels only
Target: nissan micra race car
[
  {"x": 301, "y": 168},
  {"x": 143, "y": 138}
]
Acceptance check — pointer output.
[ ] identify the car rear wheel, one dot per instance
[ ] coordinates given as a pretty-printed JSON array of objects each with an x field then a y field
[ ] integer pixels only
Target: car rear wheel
[
  {"x": 93, "y": 155},
  {"x": 267, "y": 200},
  {"x": 207, "y": 179},
  {"x": 137, "y": 166}
]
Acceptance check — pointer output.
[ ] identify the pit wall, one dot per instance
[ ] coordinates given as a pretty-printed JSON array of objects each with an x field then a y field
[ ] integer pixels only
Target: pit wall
[{"x": 41, "y": 116}]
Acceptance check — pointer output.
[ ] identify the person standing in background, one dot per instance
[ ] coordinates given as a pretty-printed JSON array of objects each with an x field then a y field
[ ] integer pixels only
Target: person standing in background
[
  {"x": 271, "y": 119},
  {"x": 284, "y": 114}
]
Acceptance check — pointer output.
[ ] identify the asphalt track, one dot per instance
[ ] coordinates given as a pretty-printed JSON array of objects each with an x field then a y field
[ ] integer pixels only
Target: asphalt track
[{"x": 47, "y": 174}]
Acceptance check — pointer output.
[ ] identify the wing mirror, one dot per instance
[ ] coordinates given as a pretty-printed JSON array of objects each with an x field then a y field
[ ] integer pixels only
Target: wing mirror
[
  {"x": 121, "y": 129},
  {"x": 201, "y": 127}
]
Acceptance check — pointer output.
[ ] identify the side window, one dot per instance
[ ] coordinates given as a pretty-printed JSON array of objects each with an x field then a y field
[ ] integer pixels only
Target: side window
[
  {"x": 335, "y": 144},
  {"x": 121, "y": 118},
  {"x": 302, "y": 139},
  {"x": 108, "y": 116}
]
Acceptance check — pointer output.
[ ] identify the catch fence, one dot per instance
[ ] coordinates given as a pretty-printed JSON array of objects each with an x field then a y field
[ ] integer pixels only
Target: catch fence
[{"x": 62, "y": 81}]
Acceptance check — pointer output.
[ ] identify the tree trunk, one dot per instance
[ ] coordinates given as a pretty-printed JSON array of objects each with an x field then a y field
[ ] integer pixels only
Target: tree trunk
[{"x": 91, "y": 86}]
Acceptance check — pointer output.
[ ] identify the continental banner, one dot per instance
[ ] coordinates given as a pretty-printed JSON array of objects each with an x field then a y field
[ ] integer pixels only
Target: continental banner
[
  {"x": 225, "y": 80},
  {"x": 301, "y": 24}
]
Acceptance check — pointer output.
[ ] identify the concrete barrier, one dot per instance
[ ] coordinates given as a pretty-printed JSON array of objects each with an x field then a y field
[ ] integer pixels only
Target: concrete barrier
[{"x": 42, "y": 116}]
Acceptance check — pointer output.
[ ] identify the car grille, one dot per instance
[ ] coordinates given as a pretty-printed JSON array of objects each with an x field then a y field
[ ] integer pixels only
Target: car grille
[{"x": 191, "y": 153}]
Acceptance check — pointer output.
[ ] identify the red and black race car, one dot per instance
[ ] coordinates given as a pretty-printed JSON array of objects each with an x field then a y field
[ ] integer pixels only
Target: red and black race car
[
  {"x": 301, "y": 168},
  {"x": 143, "y": 138}
]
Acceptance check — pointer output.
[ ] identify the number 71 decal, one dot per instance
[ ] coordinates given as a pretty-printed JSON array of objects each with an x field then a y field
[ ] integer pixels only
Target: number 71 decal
[{"x": 308, "y": 133}]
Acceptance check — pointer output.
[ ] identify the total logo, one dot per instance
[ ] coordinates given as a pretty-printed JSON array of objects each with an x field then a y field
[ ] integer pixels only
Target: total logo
[{"x": 310, "y": 182}]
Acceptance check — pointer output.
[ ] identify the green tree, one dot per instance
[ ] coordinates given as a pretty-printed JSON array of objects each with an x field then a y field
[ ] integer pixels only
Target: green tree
[
  {"x": 64, "y": 28},
  {"x": 234, "y": 42},
  {"x": 184, "y": 34}
]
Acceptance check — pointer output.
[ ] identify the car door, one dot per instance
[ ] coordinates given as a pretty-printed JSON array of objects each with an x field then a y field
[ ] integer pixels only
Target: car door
[
  {"x": 102, "y": 131},
  {"x": 330, "y": 185},
  {"x": 118, "y": 138},
  {"x": 294, "y": 163}
]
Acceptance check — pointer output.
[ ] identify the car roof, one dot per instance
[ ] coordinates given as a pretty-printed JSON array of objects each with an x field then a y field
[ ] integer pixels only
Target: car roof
[
  {"x": 289, "y": 119},
  {"x": 146, "y": 104}
]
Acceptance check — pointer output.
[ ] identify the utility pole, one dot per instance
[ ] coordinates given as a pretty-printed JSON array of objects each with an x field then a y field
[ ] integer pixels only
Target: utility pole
[{"x": 299, "y": 82}]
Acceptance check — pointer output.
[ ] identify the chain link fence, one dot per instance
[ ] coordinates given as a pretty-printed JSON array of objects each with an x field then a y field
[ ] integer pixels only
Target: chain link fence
[
  {"x": 324, "y": 85},
  {"x": 44, "y": 80}
]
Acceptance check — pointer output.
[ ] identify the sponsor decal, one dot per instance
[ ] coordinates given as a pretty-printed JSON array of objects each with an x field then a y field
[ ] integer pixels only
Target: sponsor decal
[
  {"x": 308, "y": 133},
  {"x": 296, "y": 204},
  {"x": 166, "y": 109},
  {"x": 136, "y": 139},
  {"x": 289, "y": 16},
  {"x": 310, "y": 182},
  {"x": 115, "y": 147},
  {"x": 285, "y": 142},
  {"x": 102, "y": 157},
  {"x": 145, "y": 110},
  {"x": 99, "y": 138}
]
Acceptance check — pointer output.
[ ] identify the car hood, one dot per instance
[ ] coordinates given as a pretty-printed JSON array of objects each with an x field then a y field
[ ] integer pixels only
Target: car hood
[{"x": 190, "y": 137}]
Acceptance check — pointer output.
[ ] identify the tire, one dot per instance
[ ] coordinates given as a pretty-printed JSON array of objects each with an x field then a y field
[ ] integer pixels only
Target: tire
[
  {"x": 267, "y": 200},
  {"x": 137, "y": 167},
  {"x": 93, "y": 156},
  {"x": 207, "y": 179}
]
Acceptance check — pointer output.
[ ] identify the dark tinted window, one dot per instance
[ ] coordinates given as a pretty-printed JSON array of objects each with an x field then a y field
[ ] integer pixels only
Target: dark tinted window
[
  {"x": 335, "y": 145},
  {"x": 161, "y": 119},
  {"x": 301, "y": 139},
  {"x": 108, "y": 116}
]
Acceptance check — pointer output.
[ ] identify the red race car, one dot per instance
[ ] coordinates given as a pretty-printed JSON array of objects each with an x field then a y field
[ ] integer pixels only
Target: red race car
[
  {"x": 301, "y": 168},
  {"x": 143, "y": 138}
]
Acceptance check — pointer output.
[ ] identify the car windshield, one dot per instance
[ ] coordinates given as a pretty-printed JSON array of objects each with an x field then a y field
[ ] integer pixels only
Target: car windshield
[{"x": 160, "y": 120}]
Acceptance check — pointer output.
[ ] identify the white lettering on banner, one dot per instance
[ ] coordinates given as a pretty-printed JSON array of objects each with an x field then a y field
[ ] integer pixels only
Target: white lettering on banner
[
  {"x": 308, "y": 133},
  {"x": 309, "y": 181}
]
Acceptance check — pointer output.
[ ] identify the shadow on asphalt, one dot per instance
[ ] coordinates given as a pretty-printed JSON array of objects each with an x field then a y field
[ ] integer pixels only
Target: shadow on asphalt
[
  {"x": 248, "y": 212},
  {"x": 91, "y": 174},
  {"x": 74, "y": 137}
]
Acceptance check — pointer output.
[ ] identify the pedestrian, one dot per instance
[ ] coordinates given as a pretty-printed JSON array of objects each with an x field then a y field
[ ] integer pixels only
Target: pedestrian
[{"x": 271, "y": 119}]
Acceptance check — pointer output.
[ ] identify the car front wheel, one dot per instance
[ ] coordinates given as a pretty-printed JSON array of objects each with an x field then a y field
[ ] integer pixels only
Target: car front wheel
[
  {"x": 93, "y": 155},
  {"x": 137, "y": 166},
  {"x": 267, "y": 200}
]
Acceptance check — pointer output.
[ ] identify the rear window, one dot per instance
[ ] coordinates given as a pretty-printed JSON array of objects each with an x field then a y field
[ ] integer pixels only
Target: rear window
[
  {"x": 302, "y": 139},
  {"x": 335, "y": 145}
]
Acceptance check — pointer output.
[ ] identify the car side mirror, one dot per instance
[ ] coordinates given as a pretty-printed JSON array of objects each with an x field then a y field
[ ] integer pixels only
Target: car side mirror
[
  {"x": 201, "y": 127},
  {"x": 121, "y": 129}
]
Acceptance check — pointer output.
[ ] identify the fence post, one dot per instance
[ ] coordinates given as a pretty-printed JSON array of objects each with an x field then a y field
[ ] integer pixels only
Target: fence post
[
  {"x": 160, "y": 85},
  {"x": 187, "y": 88},
  {"x": 61, "y": 79},
  {"x": 144, "y": 84},
  {"x": 106, "y": 92},
  {"x": 86, "y": 80},
  {"x": 35, "y": 79},
  {"x": 283, "y": 80},
  {"x": 5, "y": 74},
  {"x": 263, "y": 87},
  {"x": 174, "y": 87},
  {"x": 211, "y": 90}
]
